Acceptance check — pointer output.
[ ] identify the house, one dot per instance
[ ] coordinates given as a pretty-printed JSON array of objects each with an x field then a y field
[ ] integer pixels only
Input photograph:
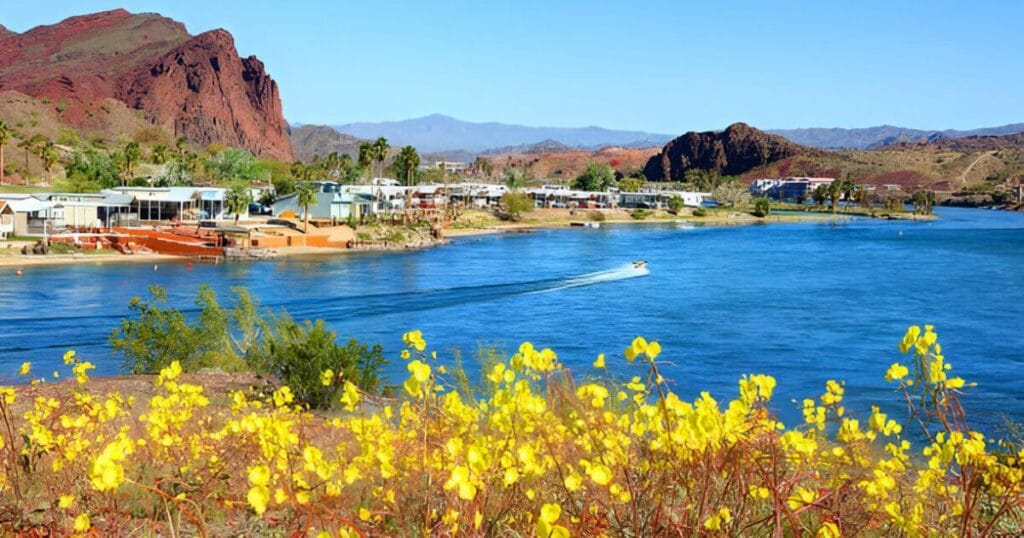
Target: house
[
  {"x": 180, "y": 203},
  {"x": 789, "y": 188},
  {"x": 32, "y": 216},
  {"x": 333, "y": 206},
  {"x": 90, "y": 210},
  {"x": 6, "y": 220}
]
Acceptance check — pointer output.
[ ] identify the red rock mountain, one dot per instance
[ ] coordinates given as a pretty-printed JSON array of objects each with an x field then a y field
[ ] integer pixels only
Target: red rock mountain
[
  {"x": 734, "y": 151},
  {"x": 194, "y": 86}
]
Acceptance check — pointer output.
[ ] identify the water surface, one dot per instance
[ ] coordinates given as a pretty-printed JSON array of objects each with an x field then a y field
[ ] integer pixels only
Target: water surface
[{"x": 803, "y": 302}]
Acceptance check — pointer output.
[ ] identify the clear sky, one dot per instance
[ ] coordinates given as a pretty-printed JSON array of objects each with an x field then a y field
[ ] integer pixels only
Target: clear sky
[{"x": 658, "y": 65}]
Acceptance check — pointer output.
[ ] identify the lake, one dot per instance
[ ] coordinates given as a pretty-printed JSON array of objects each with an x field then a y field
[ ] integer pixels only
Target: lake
[{"x": 804, "y": 302}]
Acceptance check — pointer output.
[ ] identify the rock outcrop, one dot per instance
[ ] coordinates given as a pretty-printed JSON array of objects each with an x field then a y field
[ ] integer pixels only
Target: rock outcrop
[
  {"x": 197, "y": 87},
  {"x": 204, "y": 91},
  {"x": 736, "y": 150},
  {"x": 5, "y": 33}
]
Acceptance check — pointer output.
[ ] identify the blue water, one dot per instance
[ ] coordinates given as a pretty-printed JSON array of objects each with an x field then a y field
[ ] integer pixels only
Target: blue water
[{"x": 803, "y": 302}]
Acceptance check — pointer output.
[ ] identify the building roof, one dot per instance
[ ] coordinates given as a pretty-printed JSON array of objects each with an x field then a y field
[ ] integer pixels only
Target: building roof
[
  {"x": 4, "y": 208},
  {"x": 28, "y": 204}
]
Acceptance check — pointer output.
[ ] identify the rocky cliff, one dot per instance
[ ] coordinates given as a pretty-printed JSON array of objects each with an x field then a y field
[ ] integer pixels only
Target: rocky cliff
[
  {"x": 736, "y": 150},
  {"x": 197, "y": 87}
]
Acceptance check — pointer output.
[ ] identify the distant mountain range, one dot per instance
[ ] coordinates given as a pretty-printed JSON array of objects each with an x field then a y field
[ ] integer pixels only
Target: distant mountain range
[
  {"x": 883, "y": 135},
  {"x": 439, "y": 133}
]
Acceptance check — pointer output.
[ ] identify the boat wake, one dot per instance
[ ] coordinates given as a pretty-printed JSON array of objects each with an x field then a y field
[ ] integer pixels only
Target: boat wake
[{"x": 330, "y": 309}]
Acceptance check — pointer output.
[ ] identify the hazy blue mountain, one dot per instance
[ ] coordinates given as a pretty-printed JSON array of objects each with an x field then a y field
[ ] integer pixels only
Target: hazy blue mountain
[
  {"x": 883, "y": 135},
  {"x": 437, "y": 133}
]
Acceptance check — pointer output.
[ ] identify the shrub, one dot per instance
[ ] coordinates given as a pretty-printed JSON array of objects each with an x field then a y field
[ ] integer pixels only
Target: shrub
[
  {"x": 700, "y": 212},
  {"x": 241, "y": 339},
  {"x": 596, "y": 216},
  {"x": 516, "y": 203},
  {"x": 298, "y": 354},
  {"x": 640, "y": 214},
  {"x": 675, "y": 204},
  {"x": 762, "y": 207}
]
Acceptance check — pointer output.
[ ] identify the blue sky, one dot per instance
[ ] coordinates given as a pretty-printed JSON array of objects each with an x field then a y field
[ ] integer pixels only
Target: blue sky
[{"x": 659, "y": 65}]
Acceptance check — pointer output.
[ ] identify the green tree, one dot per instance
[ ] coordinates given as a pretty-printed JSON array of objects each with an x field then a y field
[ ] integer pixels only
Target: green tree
[
  {"x": 820, "y": 195},
  {"x": 675, "y": 204},
  {"x": 515, "y": 178},
  {"x": 306, "y": 196},
  {"x": 91, "y": 170},
  {"x": 631, "y": 184},
  {"x": 406, "y": 163},
  {"x": 380, "y": 153},
  {"x": 130, "y": 157},
  {"x": 48, "y": 154},
  {"x": 159, "y": 154},
  {"x": 181, "y": 146},
  {"x": 366, "y": 157},
  {"x": 597, "y": 177},
  {"x": 762, "y": 207},
  {"x": 5, "y": 136},
  {"x": 731, "y": 193},
  {"x": 299, "y": 353},
  {"x": 237, "y": 199},
  {"x": 516, "y": 203},
  {"x": 231, "y": 164},
  {"x": 834, "y": 191}
]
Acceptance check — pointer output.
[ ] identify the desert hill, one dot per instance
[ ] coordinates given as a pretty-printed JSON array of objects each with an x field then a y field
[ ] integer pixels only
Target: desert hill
[{"x": 193, "y": 86}]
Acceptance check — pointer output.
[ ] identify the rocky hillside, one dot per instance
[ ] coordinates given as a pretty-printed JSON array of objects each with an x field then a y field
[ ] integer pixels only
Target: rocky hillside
[
  {"x": 310, "y": 140},
  {"x": 566, "y": 165},
  {"x": 882, "y": 135},
  {"x": 969, "y": 143},
  {"x": 193, "y": 86},
  {"x": 734, "y": 151}
]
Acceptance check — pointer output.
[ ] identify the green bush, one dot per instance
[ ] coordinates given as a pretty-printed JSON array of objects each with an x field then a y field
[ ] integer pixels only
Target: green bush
[
  {"x": 242, "y": 339},
  {"x": 516, "y": 203},
  {"x": 675, "y": 204},
  {"x": 298, "y": 354},
  {"x": 596, "y": 216},
  {"x": 700, "y": 212},
  {"x": 762, "y": 207},
  {"x": 640, "y": 214}
]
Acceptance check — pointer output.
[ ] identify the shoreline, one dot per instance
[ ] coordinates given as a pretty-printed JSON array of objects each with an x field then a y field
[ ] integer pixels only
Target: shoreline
[{"x": 717, "y": 218}]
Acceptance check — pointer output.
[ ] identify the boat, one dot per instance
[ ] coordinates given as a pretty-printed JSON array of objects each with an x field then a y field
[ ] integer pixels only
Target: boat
[{"x": 639, "y": 264}]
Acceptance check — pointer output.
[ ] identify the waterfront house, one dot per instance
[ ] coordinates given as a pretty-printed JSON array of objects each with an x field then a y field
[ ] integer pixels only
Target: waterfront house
[
  {"x": 789, "y": 188},
  {"x": 6, "y": 220},
  {"x": 335, "y": 206},
  {"x": 90, "y": 210},
  {"x": 32, "y": 216},
  {"x": 181, "y": 203}
]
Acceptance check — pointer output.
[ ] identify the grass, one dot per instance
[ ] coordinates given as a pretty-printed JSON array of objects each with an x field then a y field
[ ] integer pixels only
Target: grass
[{"x": 23, "y": 189}]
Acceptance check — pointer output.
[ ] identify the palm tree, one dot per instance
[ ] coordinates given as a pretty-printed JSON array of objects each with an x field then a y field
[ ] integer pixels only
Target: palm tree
[
  {"x": 306, "y": 196},
  {"x": 410, "y": 161},
  {"x": 159, "y": 155},
  {"x": 132, "y": 154},
  {"x": 237, "y": 199},
  {"x": 5, "y": 136},
  {"x": 181, "y": 144},
  {"x": 834, "y": 191},
  {"x": 48, "y": 154},
  {"x": 380, "y": 152},
  {"x": 366, "y": 156}
]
